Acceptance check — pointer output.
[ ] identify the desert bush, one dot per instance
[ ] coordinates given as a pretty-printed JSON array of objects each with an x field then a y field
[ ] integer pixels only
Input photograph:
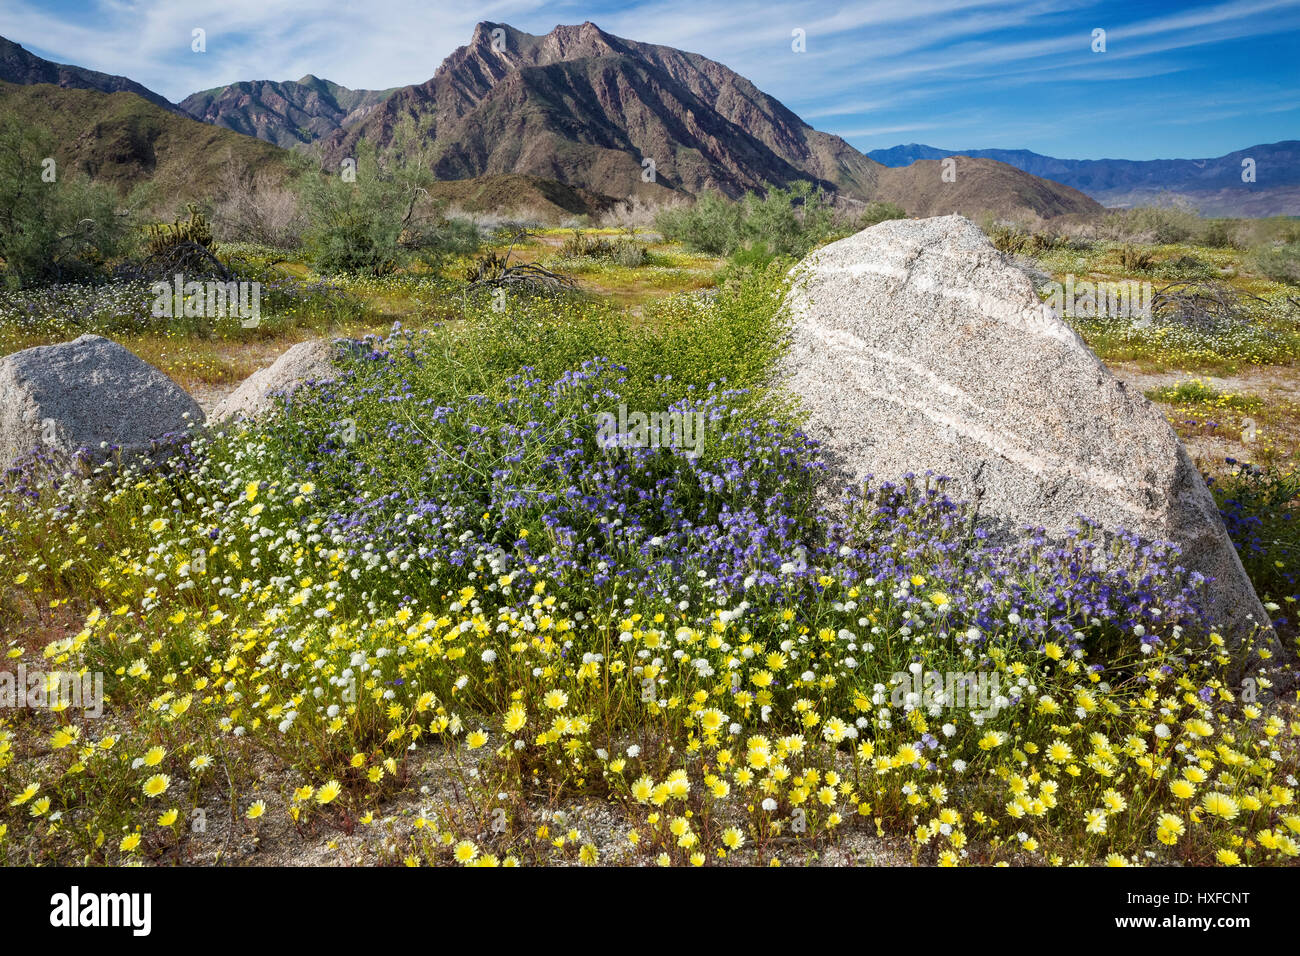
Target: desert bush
[
  {"x": 249, "y": 208},
  {"x": 788, "y": 222},
  {"x": 712, "y": 225},
  {"x": 1218, "y": 234},
  {"x": 1014, "y": 241},
  {"x": 877, "y": 212},
  {"x": 165, "y": 237},
  {"x": 1280, "y": 263},
  {"x": 634, "y": 212},
  {"x": 383, "y": 220},
  {"x": 1183, "y": 267},
  {"x": 1161, "y": 224},
  {"x": 1135, "y": 258},
  {"x": 581, "y": 245},
  {"x": 622, "y": 251},
  {"x": 783, "y": 222},
  {"x": 65, "y": 230}
]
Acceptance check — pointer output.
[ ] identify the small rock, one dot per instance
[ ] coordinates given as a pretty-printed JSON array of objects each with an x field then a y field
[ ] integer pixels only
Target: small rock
[{"x": 305, "y": 362}]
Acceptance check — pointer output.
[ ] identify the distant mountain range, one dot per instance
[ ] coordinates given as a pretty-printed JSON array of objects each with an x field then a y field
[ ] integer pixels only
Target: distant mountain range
[
  {"x": 1214, "y": 186},
  {"x": 591, "y": 109},
  {"x": 602, "y": 118}
]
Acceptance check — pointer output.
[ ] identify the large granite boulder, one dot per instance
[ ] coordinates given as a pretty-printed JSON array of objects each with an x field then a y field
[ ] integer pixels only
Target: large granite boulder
[
  {"x": 76, "y": 396},
  {"x": 311, "y": 361},
  {"x": 916, "y": 346}
]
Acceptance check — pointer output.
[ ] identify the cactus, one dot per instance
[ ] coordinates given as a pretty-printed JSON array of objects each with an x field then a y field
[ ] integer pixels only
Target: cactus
[{"x": 164, "y": 237}]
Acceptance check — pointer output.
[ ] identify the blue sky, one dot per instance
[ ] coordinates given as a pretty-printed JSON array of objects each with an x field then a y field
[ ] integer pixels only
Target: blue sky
[{"x": 1176, "y": 79}]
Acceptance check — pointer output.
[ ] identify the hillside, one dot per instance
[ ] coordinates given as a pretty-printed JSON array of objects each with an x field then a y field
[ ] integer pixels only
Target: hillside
[
  {"x": 290, "y": 114},
  {"x": 25, "y": 68},
  {"x": 564, "y": 123},
  {"x": 121, "y": 139},
  {"x": 587, "y": 108},
  {"x": 525, "y": 195},
  {"x": 1212, "y": 185},
  {"x": 982, "y": 187},
  {"x": 592, "y": 110}
]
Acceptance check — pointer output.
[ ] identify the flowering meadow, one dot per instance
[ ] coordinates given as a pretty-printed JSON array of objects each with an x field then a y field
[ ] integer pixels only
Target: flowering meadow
[{"x": 422, "y": 601}]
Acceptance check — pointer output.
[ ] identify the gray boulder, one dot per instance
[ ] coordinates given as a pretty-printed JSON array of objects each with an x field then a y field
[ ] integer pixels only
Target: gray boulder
[
  {"x": 916, "y": 346},
  {"x": 77, "y": 395},
  {"x": 311, "y": 361}
]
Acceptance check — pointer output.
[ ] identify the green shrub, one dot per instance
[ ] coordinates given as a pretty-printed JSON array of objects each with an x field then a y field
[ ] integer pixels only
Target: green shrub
[
  {"x": 1161, "y": 224},
  {"x": 381, "y": 221},
  {"x": 712, "y": 225},
  {"x": 1014, "y": 241},
  {"x": 64, "y": 230},
  {"x": 1218, "y": 234},
  {"x": 623, "y": 252},
  {"x": 1196, "y": 391},
  {"x": 783, "y": 222},
  {"x": 878, "y": 212},
  {"x": 630, "y": 254},
  {"x": 1136, "y": 259},
  {"x": 1185, "y": 268},
  {"x": 733, "y": 334},
  {"x": 1279, "y": 263}
]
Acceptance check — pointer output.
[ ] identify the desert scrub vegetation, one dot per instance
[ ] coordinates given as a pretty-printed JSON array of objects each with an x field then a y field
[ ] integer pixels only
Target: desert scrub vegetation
[
  {"x": 783, "y": 222},
  {"x": 1201, "y": 327},
  {"x": 1196, "y": 391},
  {"x": 63, "y": 230},
  {"x": 1280, "y": 262},
  {"x": 380, "y": 219},
  {"x": 433, "y": 554}
]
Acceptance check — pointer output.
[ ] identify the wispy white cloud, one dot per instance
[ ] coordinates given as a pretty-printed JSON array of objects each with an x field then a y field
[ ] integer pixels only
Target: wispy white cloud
[{"x": 870, "y": 69}]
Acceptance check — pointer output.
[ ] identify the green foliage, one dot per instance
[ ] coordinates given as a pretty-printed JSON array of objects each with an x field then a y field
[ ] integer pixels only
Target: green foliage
[
  {"x": 787, "y": 222},
  {"x": 1280, "y": 263},
  {"x": 1218, "y": 234},
  {"x": 733, "y": 334},
  {"x": 1136, "y": 259},
  {"x": 712, "y": 225},
  {"x": 623, "y": 252},
  {"x": 383, "y": 220},
  {"x": 1014, "y": 241},
  {"x": 878, "y": 212},
  {"x": 1185, "y": 268},
  {"x": 164, "y": 237},
  {"x": 1261, "y": 508},
  {"x": 784, "y": 222},
  {"x": 1159, "y": 224},
  {"x": 1196, "y": 391},
  {"x": 64, "y": 230}
]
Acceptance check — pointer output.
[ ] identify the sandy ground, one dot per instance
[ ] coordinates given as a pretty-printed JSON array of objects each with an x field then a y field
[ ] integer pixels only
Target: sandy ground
[{"x": 1278, "y": 387}]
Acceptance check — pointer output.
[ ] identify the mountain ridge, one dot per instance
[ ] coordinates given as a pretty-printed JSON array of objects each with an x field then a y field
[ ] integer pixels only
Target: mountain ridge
[
  {"x": 1213, "y": 184},
  {"x": 288, "y": 113},
  {"x": 24, "y": 68},
  {"x": 121, "y": 139},
  {"x": 601, "y": 116},
  {"x": 694, "y": 118}
]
